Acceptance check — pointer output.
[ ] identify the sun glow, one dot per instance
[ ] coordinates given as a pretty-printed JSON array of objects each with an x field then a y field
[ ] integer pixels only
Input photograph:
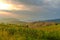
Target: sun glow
[{"x": 5, "y": 6}]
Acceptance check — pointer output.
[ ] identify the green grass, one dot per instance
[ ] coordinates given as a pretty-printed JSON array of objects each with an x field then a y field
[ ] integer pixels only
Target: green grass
[{"x": 25, "y": 32}]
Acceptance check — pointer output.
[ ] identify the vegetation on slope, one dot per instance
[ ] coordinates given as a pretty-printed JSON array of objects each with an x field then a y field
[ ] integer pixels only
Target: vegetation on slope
[{"x": 26, "y": 32}]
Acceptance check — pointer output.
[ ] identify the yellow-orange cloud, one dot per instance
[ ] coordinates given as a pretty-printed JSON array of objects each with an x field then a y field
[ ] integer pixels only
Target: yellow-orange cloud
[
  {"x": 5, "y": 5},
  {"x": 12, "y": 15},
  {"x": 7, "y": 14},
  {"x": 19, "y": 7}
]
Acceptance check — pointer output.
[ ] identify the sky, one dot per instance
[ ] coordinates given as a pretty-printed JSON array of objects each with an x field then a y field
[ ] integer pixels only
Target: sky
[{"x": 30, "y": 10}]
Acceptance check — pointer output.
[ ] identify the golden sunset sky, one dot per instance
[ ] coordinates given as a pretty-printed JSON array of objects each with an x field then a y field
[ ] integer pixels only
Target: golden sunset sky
[{"x": 30, "y": 10}]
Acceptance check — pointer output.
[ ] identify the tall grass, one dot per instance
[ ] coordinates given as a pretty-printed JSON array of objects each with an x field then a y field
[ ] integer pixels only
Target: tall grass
[{"x": 25, "y": 32}]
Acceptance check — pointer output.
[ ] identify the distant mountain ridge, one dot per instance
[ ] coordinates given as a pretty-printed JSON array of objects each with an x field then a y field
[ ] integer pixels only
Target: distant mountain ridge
[{"x": 53, "y": 20}]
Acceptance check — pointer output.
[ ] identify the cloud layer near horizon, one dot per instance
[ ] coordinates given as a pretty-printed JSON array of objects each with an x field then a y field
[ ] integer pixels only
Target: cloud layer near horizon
[{"x": 32, "y": 10}]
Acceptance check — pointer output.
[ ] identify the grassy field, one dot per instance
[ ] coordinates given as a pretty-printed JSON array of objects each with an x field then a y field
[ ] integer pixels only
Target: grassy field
[{"x": 29, "y": 32}]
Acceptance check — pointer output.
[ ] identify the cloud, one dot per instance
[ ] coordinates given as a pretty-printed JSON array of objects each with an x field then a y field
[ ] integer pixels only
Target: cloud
[
  {"x": 27, "y": 5},
  {"x": 10, "y": 5},
  {"x": 33, "y": 9},
  {"x": 20, "y": 7},
  {"x": 35, "y": 5},
  {"x": 7, "y": 14},
  {"x": 51, "y": 3},
  {"x": 4, "y": 14},
  {"x": 23, "y": 4}
]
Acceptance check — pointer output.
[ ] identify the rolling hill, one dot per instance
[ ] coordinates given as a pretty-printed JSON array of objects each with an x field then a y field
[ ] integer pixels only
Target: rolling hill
[{"x": 11, "y": 20}]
